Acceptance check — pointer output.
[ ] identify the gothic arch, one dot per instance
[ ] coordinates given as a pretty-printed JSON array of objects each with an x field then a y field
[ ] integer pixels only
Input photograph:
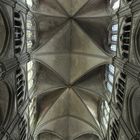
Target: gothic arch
[
  {"x": 133, "y": 109},
  {"x": 6, "y": 103},
  {"x": 4, "y": 30},
  {"x": 136, "y": 39}
]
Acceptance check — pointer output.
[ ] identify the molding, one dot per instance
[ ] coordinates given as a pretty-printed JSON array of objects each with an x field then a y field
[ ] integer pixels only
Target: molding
[
  {"x": 123, "y": 11},
  {"x": 135, "y": 6},
  {"x": 24, "y": 58},
  {"x": 10, "y": 3},
  {"x": 128, "y": 68}
]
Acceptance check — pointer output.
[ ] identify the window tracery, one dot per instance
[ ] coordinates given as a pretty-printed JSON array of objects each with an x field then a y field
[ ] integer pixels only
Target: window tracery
[
  {"x": 32, "y": 111},
  {"x": 110, "y": 71},
  {"x": 29, "y": 3},
  {"x": 115, "y": 130},
  {"x": 114, "y": 37},
  {"x": 30, "y": 31},
  {"x": 30, "y": 75},
  {"x": 115, "y": 4},
  {"x": 20, "y": 83},
  {"x": 105, "y": 111},
  {"x": 22, "y": 128}
]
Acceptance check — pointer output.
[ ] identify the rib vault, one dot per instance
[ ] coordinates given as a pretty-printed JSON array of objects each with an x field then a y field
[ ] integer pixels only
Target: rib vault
[{"x": 71, "y": 56}]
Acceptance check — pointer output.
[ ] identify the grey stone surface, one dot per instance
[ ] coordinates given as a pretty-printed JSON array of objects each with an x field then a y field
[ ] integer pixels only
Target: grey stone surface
[{"x": 71, "y": 55}]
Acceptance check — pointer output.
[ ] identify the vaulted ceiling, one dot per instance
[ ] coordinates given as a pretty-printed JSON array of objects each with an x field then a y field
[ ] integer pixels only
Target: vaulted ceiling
[{"x": 73, "y": 37}]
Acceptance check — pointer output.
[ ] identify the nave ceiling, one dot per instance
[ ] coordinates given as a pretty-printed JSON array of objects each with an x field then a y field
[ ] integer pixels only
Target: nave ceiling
[{"x": 71, "y": 58}]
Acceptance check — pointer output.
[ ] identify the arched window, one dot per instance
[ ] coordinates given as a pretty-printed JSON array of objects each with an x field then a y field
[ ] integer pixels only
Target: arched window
[
  {"x": 30, "y": 75},
  {"x": 114, "y": 37},
  {"x": 110, "y": 71},
  {"x": 111, "y": 68},
  {"x": 115, "y": 4},
  {"x": 29, "y": 3},
  {"x": 113, "y": 47},
  {"x": 30, "y": 84},
  {"x": 29, "y": 38},
  {"x": 30, "y": 65},
  {"x": 115, "y": 28},
  {"x": 105, "y": 111},
  {"x": 30, "y": 31},
  {"x": 29, "y": 44},
  {"x": 29, "y": 34},
  {"x": 32, "y": 111},
  {"x": 110, "y": 78},
  {"x": 109, "y": 87}
]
